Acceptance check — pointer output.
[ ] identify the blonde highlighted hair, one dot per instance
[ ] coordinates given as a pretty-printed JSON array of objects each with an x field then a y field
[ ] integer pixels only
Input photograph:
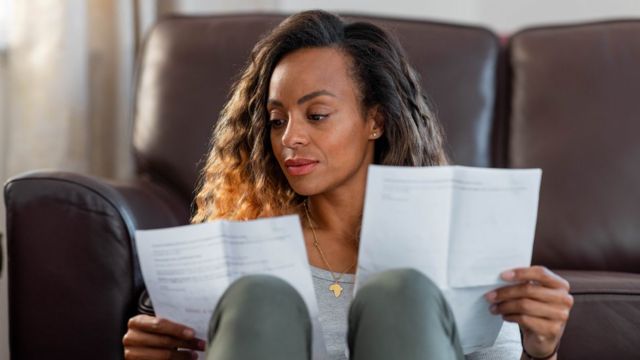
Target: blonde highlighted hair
[{"x": 242, "y": 180}]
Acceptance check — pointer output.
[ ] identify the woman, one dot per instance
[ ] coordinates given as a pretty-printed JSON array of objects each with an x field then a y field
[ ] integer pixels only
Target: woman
[{"x": 319, "y": 101}]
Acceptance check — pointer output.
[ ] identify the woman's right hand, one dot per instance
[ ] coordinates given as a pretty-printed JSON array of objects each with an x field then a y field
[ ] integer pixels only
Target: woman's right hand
[{"x": 150, "y": 337}]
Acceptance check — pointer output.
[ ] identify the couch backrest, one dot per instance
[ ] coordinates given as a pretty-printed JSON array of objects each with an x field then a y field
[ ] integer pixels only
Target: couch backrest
[
  {"x": 188, "y": 65},
  {"x": 575, "y": 112}
]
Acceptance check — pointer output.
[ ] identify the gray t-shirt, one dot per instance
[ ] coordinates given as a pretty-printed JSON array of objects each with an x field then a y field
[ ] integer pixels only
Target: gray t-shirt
[{"x": 334, "y": 319}]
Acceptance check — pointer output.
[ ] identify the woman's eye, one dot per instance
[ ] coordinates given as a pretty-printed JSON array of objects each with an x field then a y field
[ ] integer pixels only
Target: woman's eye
[
  {"x": 276, "y": 123},
  {"x": 317, "y": 117}
]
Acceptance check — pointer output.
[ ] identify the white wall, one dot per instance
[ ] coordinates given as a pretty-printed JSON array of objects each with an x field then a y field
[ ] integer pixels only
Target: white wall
[
  {"x": 220, "y": 6},
  {"x": 503, "y": 16},
  {"x": 507, "y": 16},
  {"x": 456, "y": 10}
]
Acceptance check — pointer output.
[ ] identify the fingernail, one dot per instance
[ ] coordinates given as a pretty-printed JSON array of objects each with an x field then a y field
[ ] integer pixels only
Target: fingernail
[
  {"x": 490, "y": 296},
  {"x": 188, "y": 333},
  {"x": 493, "y": 309},
  {"x": 508, "y": 275}
]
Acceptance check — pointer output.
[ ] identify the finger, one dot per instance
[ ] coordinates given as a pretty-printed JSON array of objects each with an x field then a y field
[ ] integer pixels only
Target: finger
[
  {"x": 161, "y": 326},
  {"x": 530, "y": 291},
  {"x": 532, "y": 308},
  {"x": 539, "y": 274},
  {"x": 136, "y": 337},
  {"x": 541, "y": 327},
  {"x": 142, "y": 353}
]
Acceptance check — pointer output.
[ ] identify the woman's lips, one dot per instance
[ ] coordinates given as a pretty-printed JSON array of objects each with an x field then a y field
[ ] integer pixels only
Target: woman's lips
[{"x": 297, "y": 167}]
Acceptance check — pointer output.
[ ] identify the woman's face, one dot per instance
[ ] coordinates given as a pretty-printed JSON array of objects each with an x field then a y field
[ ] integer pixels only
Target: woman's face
[{"x": 319, "y": 134}]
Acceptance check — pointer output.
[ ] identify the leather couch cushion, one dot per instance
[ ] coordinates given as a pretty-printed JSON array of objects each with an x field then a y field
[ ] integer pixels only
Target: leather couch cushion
[
  {"x": 605, "y": 319},
  {"x": 575, "y": 106}
]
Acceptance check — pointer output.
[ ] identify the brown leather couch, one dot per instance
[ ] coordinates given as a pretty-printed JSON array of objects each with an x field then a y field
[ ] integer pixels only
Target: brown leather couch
[{"x": 566, "y": 99}]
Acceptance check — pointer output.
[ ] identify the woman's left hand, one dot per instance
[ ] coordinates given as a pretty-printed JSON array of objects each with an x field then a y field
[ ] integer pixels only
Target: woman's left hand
[{"x": 540, "y": 303}]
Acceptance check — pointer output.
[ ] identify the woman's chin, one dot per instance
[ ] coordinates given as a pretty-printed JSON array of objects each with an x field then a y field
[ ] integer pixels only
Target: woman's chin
[
  {"x": 305, "y": 193},
  {"x": 305, "y": 189}
]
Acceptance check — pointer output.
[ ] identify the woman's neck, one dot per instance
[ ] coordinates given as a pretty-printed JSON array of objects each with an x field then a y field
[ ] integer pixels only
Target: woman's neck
[{"x": 338, "y": 213}]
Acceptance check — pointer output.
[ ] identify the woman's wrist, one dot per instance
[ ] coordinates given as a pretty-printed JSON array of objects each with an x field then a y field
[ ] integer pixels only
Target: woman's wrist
[{"x": 527, "y": 356}]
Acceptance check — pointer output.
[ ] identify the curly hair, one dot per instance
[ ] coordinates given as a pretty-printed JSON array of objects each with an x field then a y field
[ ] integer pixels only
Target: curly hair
[{"x": 242, "y": 180}]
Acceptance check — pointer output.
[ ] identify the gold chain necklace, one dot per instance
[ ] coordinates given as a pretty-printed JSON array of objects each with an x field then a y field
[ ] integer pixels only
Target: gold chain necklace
[{"x": 336, "y": 288}]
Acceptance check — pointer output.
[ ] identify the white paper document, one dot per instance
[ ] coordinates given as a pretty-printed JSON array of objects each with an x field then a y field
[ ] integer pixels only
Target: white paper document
[
  {"x": 186, "y": 269},
  {"x": 460, "y": 226}
]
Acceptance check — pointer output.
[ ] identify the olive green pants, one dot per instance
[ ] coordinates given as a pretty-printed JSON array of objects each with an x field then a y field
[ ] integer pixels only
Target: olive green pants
[{"x": 397, "y": 314}]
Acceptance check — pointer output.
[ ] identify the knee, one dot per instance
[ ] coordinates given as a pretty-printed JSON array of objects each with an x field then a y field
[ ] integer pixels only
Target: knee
[
  {"x": 252, "y": 285},
  {"x": 402, "y": 285},
  {"x": 260, "y": 292},
  {"x": 257, "y": 304}
]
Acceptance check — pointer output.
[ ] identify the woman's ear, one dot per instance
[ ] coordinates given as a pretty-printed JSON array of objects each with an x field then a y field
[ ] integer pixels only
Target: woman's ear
[{"x": 375, "y": 122}]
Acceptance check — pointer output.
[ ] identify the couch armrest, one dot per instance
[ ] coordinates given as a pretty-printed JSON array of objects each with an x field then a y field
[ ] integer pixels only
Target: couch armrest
[
  {"x": 605, "y": 319},
  {"x": 73, "y": 272}
]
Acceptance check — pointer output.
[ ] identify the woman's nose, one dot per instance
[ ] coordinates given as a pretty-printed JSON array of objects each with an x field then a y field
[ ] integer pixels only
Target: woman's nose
[{"x": 295, "y": 134}]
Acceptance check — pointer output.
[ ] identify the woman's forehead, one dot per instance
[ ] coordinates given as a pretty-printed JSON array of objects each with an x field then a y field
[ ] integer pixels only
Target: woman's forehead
[{"x": 313, "y": 69}]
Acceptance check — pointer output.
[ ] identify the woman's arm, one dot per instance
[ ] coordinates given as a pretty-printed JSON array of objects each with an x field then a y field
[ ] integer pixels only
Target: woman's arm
[{"x": 539, "y": 303}]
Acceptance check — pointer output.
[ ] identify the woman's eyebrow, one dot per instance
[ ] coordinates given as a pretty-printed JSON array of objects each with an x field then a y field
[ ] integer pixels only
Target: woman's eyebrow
[
  {"x": 273, "y": 102},
  {"x": 314, "y": 94},
  {"x": 303, "y": 99}
]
